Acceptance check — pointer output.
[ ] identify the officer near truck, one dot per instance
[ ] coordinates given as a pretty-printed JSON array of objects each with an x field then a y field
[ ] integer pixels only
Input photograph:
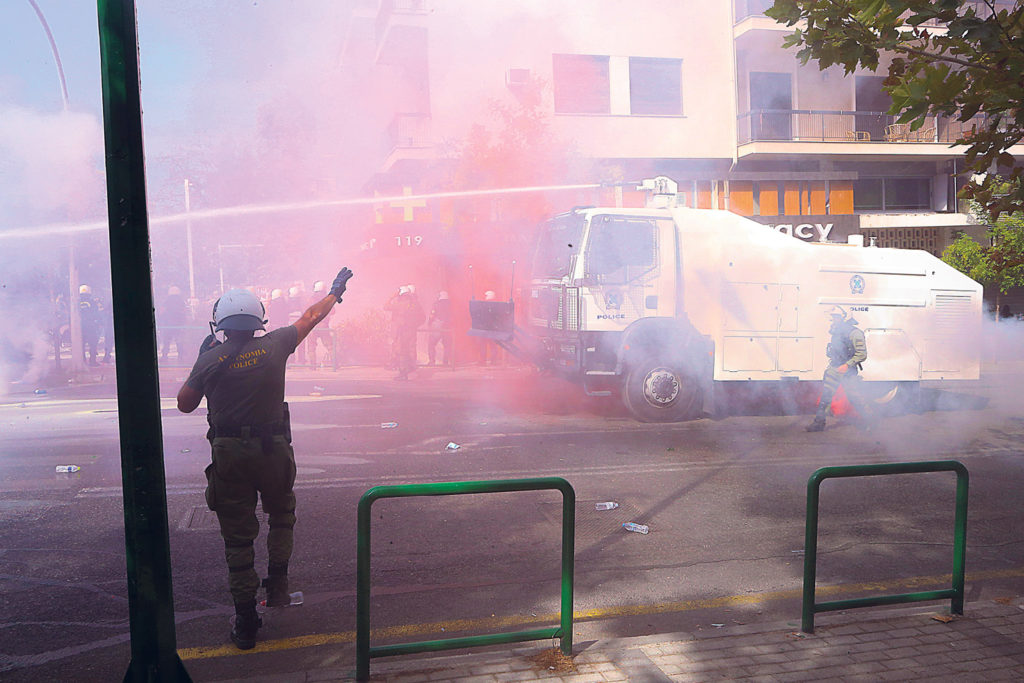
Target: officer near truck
[
  {"x": 243, "y": 381},
  {"x": 846, "y": 351}
]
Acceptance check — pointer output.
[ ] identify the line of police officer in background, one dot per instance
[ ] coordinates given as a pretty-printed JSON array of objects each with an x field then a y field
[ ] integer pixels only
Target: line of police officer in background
[
  {"x": 180, "y": 329},
  {"x": 97, "y": 327}
]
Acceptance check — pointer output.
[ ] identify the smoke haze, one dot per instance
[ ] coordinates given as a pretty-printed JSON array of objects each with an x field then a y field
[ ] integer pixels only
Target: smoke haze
[{"x": 264, "y": 104}]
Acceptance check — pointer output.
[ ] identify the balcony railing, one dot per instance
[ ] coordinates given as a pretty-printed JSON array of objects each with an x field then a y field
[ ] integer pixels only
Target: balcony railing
[
  {"x": 389, "y": 9},
  {"x": 751, "y": 8},
  {"x": 757, "y": 8},
  {"x": 409, "y": 130},
  {"x": 844, "y": 126}
]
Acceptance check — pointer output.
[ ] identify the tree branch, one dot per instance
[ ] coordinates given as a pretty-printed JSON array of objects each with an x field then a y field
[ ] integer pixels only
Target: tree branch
[{"x": 942, "y": 58}]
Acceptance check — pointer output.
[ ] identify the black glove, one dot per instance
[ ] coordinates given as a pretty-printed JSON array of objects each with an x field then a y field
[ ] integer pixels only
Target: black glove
[
  {"x": 208, "y": 343},
  {"x": 338, "y": 286}
]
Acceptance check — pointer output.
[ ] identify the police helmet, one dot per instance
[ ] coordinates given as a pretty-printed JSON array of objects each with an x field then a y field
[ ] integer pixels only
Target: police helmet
[
  {"x": 239, "y": 309},
  {"x": 837, "y": 311},
  {"x": 85, "y": 289}
]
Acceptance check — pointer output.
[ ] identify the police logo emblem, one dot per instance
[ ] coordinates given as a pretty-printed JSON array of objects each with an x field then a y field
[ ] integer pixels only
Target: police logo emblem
[{"x": 856, "y": 284}]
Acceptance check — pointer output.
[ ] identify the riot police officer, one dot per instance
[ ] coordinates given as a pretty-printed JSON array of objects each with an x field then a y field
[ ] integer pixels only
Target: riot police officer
[
  {"x": 846, "y": 351},
  {"x": 243, "y": 381},
  {"x": 90, "y": 314}
]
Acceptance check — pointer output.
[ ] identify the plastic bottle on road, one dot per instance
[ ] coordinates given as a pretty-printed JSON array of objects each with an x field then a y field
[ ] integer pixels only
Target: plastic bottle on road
[
  {"x": 638, "y": 528},
  {"x": 610, "y": 505},
  {"x": 388, "y": 425},
  {"x": 68, "y": 468}
]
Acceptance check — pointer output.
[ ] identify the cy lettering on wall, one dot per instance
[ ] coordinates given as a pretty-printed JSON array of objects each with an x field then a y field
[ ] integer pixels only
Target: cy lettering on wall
[{"x": 834, "y": 228}]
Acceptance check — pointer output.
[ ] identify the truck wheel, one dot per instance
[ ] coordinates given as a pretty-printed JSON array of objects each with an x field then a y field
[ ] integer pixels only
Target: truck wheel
[{"x": 661, "y": 392}]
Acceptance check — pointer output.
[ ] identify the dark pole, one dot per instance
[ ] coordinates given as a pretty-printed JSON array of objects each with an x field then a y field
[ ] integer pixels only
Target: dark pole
[{"x": 147, "y": 548}]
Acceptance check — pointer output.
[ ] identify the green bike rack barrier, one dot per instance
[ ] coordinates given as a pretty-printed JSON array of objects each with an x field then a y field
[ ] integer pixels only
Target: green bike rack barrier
[
  {"x": 564, "y": 631},
  {"x": 955, "y": 594}
]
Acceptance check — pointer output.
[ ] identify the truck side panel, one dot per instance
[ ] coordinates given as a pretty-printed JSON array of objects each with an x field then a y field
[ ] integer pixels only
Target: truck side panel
[{"x": 761, "y": 296}]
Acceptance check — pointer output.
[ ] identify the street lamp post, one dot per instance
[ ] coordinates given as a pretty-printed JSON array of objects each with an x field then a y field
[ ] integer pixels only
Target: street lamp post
[
  {"x": 74, "y": 315},
  {"x": 220, "y": 257},
  {"x": 188, "y": 243}
]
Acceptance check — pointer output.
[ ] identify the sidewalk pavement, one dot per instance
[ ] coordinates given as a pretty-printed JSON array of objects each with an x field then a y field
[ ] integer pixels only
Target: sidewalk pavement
[{"x": 903, "y": 644}]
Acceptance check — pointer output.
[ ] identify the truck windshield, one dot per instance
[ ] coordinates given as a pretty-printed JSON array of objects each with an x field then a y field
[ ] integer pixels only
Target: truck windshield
[
  {"x": 558, "y": 241},
  {"x": 621, "y": 248}
]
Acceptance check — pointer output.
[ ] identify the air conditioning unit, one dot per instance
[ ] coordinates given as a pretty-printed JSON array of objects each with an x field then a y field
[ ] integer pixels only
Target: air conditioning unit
[{"x": 517, "y": 78}]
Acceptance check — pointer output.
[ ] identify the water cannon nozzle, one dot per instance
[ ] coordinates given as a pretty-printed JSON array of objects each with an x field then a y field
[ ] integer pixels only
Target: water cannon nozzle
[{"x": 662, "y": 189}]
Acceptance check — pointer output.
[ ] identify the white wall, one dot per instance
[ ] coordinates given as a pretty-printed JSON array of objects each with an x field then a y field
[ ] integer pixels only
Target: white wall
[{"x": 474, "y": 42}]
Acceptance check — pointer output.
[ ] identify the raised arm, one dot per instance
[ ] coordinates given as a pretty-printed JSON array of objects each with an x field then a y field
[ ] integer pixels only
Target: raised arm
[{"x": 318, "y": 311}]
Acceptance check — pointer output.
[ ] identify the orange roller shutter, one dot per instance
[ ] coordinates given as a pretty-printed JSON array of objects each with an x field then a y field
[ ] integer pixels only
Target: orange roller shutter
[
  {"x": 768, "y": 198},
  {"x": 819, "y": 193},
  {"x": 704, "y": 194},
  {"x": 741, "y": 197},
  {"x": 840, "y": 197},
  {"x": 792, "y": 198}
]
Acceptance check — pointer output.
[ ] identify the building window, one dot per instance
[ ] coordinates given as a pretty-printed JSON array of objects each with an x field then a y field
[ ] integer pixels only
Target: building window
[
  {"x": 867, "y": 194},
  {"x": 581, "y": 84},
  {"x": 891, "y": 194},
  {"x": 655, "y": 86},
  {"x": 907, "y": 193}
]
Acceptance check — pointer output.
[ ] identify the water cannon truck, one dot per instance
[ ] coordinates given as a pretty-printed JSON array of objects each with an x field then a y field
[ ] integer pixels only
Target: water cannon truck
[{"x": 666, "y": 307}]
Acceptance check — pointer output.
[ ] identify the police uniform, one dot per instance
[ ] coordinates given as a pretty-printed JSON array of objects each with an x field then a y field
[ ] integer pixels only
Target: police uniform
[
  {"x": 89, "y": 316},
  {"x": 407, "y": 316},
  {"x": 252, "y": 454},
  {"x": 440, "y": 323},
  {"x": 252, "y": 459},
  {"x": 846, "y": 347}
]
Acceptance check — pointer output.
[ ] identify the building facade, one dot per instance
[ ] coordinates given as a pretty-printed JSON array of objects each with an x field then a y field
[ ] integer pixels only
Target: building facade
[{"x": 703, "y": 93}]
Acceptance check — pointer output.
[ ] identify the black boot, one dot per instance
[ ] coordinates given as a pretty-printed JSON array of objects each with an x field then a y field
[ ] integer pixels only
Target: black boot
[
  {"x": 247, "y": 622},
  {"x": 276, "y": 584},
  {"x": 818, "y": 425}
]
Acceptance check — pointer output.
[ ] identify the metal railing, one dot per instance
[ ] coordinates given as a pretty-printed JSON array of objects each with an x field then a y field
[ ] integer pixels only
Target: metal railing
[
  {"x": 564, "y": 631},
  {"x": 954, "y": 594},
  {"x": 752, "y": 8},
  {"x": 409, "y": 130},
  {"x": 792, "y": 125},
  {"x": 390, "y": 9}
]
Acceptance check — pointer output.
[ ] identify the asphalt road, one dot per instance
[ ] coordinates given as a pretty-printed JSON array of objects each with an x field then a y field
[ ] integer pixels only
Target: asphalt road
[{"x": 724, "y": 499}]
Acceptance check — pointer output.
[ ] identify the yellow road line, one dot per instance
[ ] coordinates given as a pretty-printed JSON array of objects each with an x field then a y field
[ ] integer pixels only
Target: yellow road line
[{"x": 491, "y": 624}]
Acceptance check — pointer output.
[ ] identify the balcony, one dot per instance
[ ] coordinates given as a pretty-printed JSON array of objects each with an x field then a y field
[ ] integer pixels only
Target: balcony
[
  {"x": 784, "y": 125},
  {"x": 400, "y": 30},
  {"x": 983, "y": 9},
  {"x": 751, "y": 24},
  {"x": 409, "y": 137},
  {"x": 751, "y": 8}
]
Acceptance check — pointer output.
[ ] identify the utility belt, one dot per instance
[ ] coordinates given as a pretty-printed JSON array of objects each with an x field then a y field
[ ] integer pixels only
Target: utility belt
[{"x": 267, "y": 430}]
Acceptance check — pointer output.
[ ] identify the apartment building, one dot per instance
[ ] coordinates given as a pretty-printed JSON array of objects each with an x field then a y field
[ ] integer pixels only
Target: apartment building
[{"x": 701, "y": 92}]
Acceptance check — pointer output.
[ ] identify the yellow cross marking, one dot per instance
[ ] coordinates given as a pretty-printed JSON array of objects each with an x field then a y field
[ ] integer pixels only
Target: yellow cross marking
[{"x": 408, "y": 206}]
